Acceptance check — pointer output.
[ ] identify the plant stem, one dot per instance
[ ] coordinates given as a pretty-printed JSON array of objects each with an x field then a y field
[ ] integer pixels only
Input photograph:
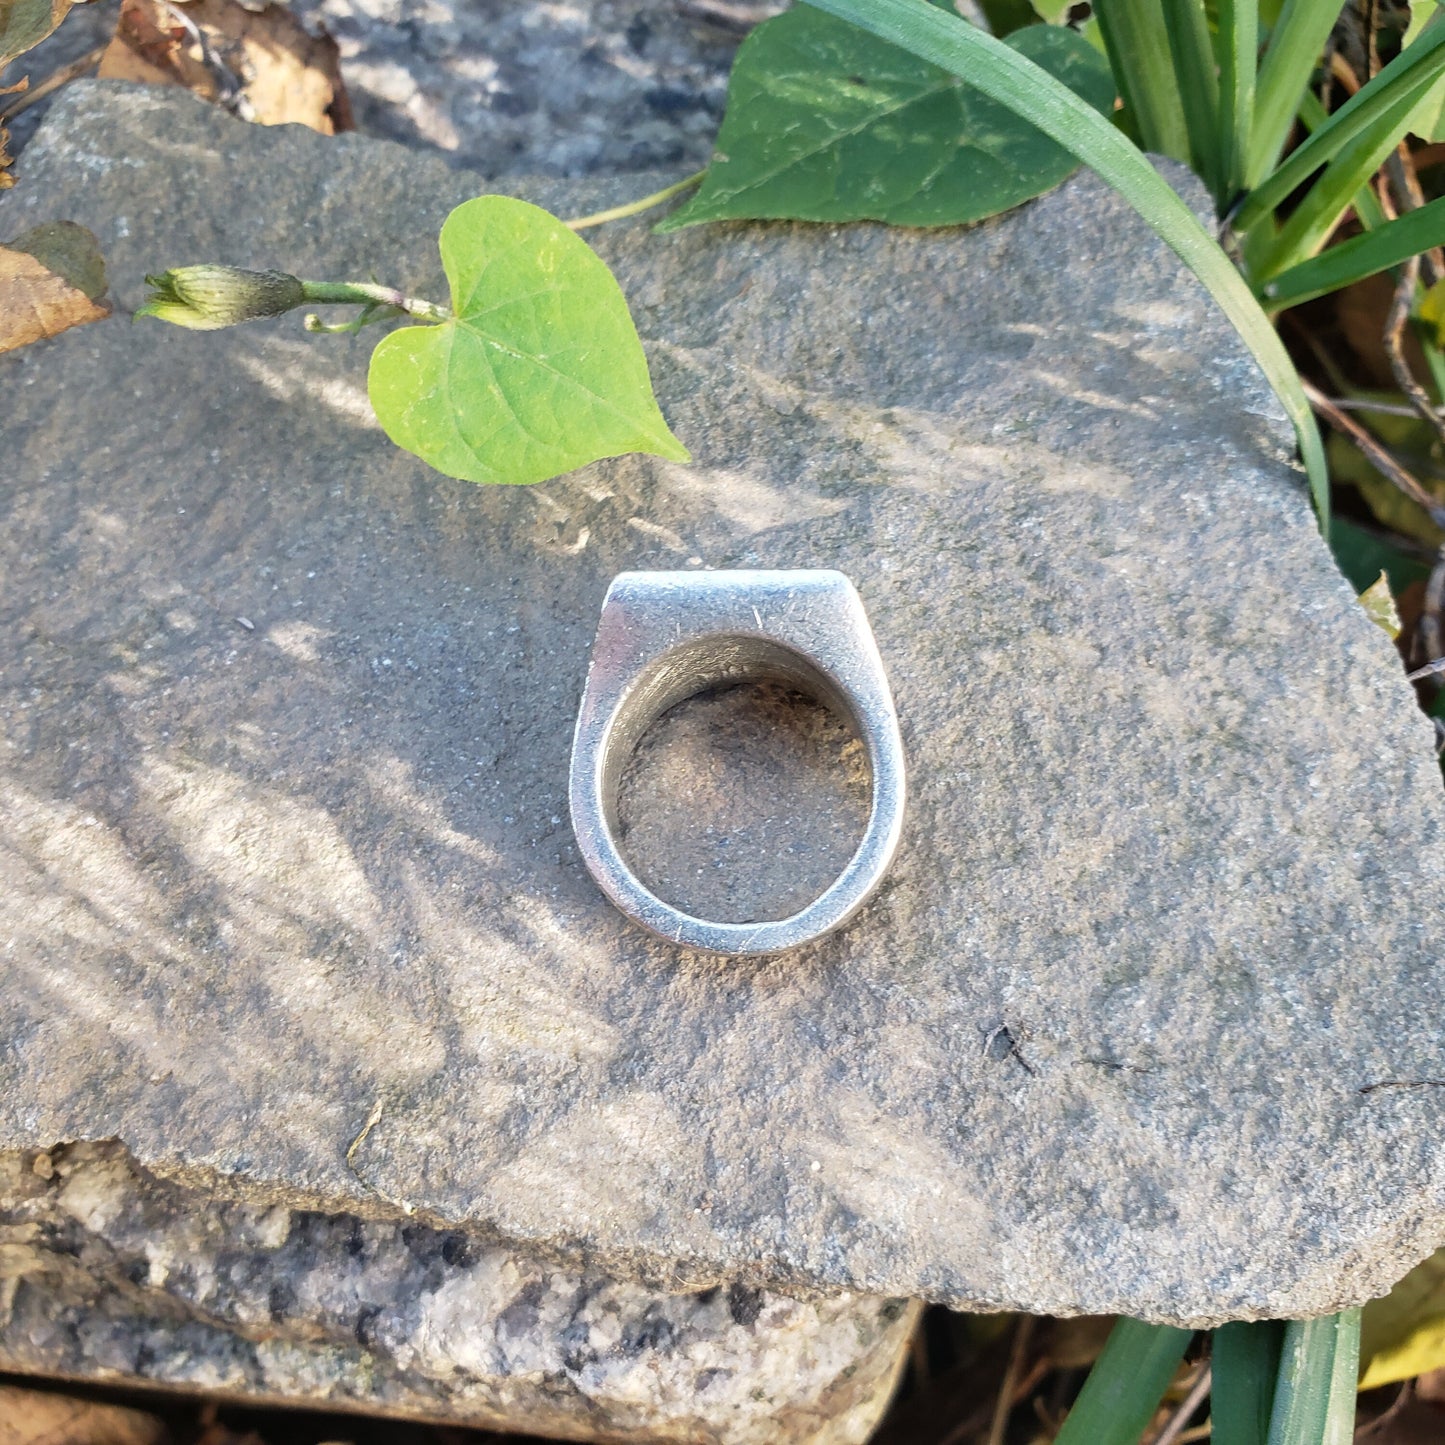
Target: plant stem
[
  {"x": 359, "y": 293},
  {"x": 1375, "y": 453},
  {"x": 633, "y": 208},
  {"x": 53, "y": 82},
  {"x": 1314, "y": 1399},
  {"x": 1023, "y": 1331},
  {"x": 1174, "y": 1431},
  {"x": 1245, "y": 1368},
  {"x": 1126, "y": 1384},
  {"x": 365, "y": 317}
]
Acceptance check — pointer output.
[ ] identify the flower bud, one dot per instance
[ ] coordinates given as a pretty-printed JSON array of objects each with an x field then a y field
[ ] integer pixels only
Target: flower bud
[{"x": 206, "y": 298}]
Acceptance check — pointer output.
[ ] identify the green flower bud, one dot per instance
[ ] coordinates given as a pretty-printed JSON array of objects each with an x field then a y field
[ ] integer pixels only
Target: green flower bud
[{"x": 206, "y": 298}]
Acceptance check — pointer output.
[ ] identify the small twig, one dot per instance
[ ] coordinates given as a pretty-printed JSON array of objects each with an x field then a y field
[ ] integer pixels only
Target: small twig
[
  {"x": 1400, "y": 169},
  {"x": 1339, "y": 70},
  {"x": 1003, "y": 1406},
  {"x": 633, "y": 208},
  {"x": 1307, "y": 337},
  {"x": 1383, "y": 408},
  {"x": 1377, "y": 456},
  {"x": 368, "y": 315},
  {"x": 1397, "y": 1405},
  {"x": 370, "y": 295},
  {"x": 1174, "y": 1430},
  {"x": 978, "y": 1421},
  {"x": 52, "y": 83},
  {"x": 1395, "y": 324}
]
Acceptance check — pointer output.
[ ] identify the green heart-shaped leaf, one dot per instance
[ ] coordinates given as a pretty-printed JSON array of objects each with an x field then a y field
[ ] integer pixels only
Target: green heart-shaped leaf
[
  {"x": 827, "y": 123},
  {"x": 538, "y": 371}
]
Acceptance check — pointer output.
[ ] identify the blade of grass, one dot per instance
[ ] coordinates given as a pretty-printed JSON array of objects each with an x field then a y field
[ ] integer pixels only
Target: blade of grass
[
  {"x": 1314, "y": 1396},
  {"x": 1368, "y": 210},
  {"x": 1238, "y": 43},
  {"x": 1360, "y": 256},
  {"x": 1411, "y": 73},
  {"x": 1245, "y": 1364},
  {"x": 1198, "y": 88},
  {"x": 1007, "y": 77},
  {"x": 1126, "y": 1385},
  {"x": 1317, "y": 215},
  {"x": 1284, "y": 76},
  {"x": 1136, "y": 40}
]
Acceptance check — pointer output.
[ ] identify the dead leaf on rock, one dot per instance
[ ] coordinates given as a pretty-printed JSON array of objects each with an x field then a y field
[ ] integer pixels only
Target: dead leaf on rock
[
  {"x": 51, "y": 278},
  {"x": 37, "y": 1417},
  {"x": 262, "y": 64},
  {"x": 6, "y": 159},
  {"x": 25, "y": 23}
]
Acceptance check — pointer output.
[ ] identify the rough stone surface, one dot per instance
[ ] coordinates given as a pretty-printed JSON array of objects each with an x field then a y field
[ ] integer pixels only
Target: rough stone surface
[
  {"x": 107, "y": 1273},
  {"x": 778, "y": 784},
  {"x": 1175, "y": 823}
]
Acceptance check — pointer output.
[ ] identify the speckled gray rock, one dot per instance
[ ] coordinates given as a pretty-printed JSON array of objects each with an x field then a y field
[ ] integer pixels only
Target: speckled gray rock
[
  {"x": 106, "y": 1273},
  {"x": 1175, "y": 823}
]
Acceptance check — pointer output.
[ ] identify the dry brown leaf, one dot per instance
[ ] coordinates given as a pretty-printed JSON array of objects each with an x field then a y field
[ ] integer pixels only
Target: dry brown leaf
[
  {"x": 37, "y": 1417},
  {"x": 51, "y": 278},
  {"x": 7, "y": 179},
  {"x": 264, "y": 63}
]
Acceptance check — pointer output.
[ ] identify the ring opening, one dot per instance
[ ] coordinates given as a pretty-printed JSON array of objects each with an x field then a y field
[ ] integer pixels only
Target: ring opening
[{"x": 742, "y": 786}]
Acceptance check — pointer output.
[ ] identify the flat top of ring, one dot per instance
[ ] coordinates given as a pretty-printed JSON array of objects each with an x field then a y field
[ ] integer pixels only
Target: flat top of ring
[{"x": 663, "y": 636}]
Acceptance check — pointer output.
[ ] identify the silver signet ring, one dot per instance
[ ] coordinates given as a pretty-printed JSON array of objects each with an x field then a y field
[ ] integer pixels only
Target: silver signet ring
[{"x": 666, "y": 636}]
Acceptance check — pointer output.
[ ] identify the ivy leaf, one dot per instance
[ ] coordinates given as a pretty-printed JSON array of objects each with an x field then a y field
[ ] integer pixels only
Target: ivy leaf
[
  {"x": 539, "y": 370},
  {"x": 25, "y": 23},
  {"x": 827, "y": 123}
]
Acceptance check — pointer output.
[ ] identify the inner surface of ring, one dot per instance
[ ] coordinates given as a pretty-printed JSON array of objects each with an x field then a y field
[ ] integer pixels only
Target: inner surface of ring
[{"x": 737, "y": 784}]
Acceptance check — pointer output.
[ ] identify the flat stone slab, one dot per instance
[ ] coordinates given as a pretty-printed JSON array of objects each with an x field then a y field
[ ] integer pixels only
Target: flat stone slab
[{"x": 1146, "y": 1018}]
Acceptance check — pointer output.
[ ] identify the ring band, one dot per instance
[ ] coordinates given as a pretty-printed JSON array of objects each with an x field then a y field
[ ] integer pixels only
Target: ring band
[{"x": 667, "y": 636}]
